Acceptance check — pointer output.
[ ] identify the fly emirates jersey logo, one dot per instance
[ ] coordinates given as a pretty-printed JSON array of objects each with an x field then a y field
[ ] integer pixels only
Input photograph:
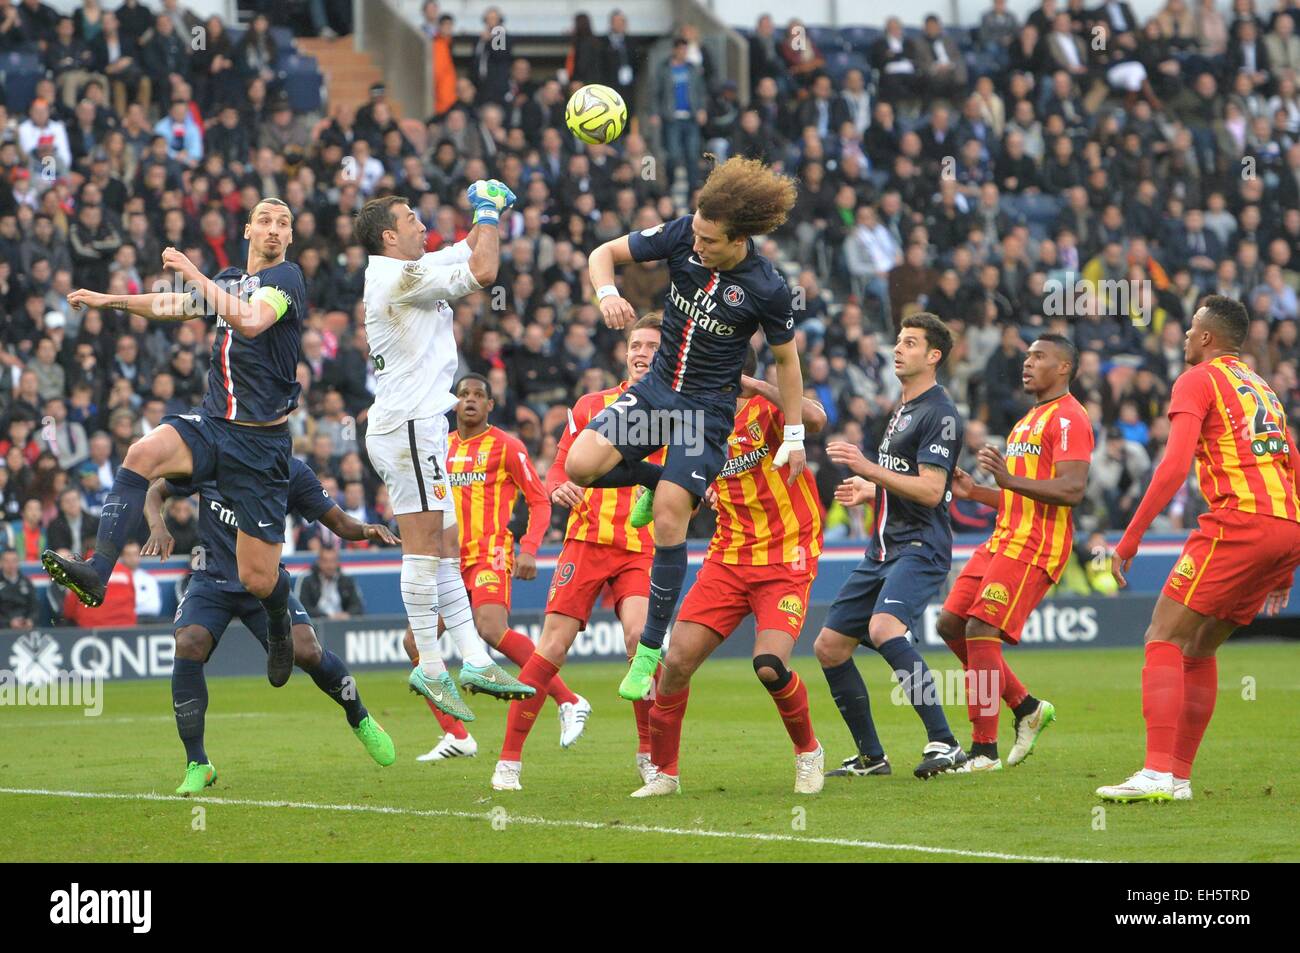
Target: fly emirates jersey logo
[{"x": 700, "y": 310}]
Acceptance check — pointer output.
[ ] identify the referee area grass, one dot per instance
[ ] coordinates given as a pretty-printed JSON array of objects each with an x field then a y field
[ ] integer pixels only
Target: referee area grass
[{"x": 296, "y": 785}]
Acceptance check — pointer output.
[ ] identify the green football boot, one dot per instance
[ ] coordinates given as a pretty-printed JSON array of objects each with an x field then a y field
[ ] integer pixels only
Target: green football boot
[
  {"x": 197, "y": 777},
  {"x": 378, "y": 745},
  {"x": 493, "y": 680},
  {"x": 643, "y": 511},
  {"x": 442, "y": 692},
  {"x": 636, "y": 683}
]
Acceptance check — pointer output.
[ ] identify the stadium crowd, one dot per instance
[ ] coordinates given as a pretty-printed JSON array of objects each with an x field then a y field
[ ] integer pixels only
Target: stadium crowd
[{"x": 1080, "y": 172}]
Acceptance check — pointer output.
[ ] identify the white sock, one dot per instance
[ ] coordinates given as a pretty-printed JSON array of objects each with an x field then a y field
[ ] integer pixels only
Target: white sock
[
  {"x": 457, "y": 616},
  {"x": 420, "y": 596}
]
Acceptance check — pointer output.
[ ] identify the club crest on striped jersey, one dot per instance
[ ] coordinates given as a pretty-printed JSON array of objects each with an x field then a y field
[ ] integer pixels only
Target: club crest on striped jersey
[
  {"x": 755, "y": 432},
  {"x": 482, "y": 459},
  {"x": 734, "y": 295}
]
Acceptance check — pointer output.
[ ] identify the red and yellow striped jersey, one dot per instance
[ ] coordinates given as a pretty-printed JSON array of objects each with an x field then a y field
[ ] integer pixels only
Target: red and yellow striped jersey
[
  {"x": 1041, "y": 534},
  {"x": 603, "y": 515},
  {"x": 487, "y": 473},
  {"x": 761, "y": 521},
  {"x": 1242, "y": 457}
]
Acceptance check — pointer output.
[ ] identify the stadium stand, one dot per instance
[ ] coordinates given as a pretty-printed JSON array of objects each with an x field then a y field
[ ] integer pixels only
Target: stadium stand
[{"x": 1163, "y": 167}]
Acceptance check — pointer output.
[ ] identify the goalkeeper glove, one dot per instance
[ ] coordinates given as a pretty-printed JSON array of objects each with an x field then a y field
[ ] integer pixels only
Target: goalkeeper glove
[
  {"x": 792, "y": 440},
  {"x": 489, "y": 198}
]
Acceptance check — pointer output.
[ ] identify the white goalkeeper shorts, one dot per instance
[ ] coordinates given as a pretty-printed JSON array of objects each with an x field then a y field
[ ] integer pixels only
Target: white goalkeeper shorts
[{"x": 412, "y": 462}]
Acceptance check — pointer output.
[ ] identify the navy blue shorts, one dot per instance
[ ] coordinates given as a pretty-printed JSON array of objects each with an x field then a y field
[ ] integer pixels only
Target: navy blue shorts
[
  {"x": 651, "y": 415},
  {"x": 901, "y": 587},
  {"x": 211, "y": 607},
  {"x": 250, "y": 466}
]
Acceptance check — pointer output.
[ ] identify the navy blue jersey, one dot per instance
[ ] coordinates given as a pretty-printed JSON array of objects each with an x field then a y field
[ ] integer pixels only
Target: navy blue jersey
[
  {"x": 256, "y": 379},
  {"x": 926, "y": 430},
  {"x": 709, "y": 316},
  {"x": 308, "y": 500}
]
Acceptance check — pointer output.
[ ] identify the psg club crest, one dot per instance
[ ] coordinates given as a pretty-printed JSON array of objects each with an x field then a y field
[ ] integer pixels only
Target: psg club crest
[
  {"x": 903, "y": 423},
  {"x": 734, "y": 295},
  {"x": 250, "y": 284}
]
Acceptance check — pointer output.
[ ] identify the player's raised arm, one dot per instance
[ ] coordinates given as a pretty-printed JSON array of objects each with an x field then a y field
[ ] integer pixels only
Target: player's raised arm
[
  {"x": 250, "y": 318},
  {"x": 155, "y": 305},
  {"x": 617, "y": 310}
]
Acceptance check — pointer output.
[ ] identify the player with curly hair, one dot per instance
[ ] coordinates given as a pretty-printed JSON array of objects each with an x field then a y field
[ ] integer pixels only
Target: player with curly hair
[{"x": 721, "y": 291}]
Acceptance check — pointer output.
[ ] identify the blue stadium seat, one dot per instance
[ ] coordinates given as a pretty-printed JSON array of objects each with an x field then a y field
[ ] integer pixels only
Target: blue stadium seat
[
  {"x": 283, "y": 37},
  {"x": 20, "y": 90},
  {"x": 236, "y": 33},
  {"x": 303, "y": 90},
  {"x": 826, "y": 40},
  {"x": 297, "y": 63},
  {"x": 860, "y": 38}
]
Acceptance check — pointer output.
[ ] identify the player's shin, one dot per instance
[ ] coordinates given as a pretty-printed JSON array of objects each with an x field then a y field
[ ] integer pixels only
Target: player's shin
[
  {"x": 332, "y": 677},
  {"x": 850, "y": 694},
  {"x": 120, "y": 518},
  {"x": 537, "y": 672},
  {"x": 1162, "y": 702},
  {"x": 1200, "y": 689},
  {"x": 984, "y": 694},
  {"x": 666, "y": 716},
  {"x": 419, "y": 585},
  {"x": 624, "y": 473},
  {"x": 917, "y": 683},
  {"x": 279, "y": 631},
  {"x": 790, "y": 695},
  {"x": 457, "y": 615},
  {"x": 190, "y": 706},
  {"x": 667, "y": 573}
]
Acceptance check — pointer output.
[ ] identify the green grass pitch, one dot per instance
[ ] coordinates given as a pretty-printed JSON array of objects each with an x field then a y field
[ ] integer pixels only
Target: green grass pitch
[{"x": 295, "y": 784}]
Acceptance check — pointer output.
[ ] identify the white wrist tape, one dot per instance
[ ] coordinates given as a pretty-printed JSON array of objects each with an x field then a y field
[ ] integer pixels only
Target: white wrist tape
[
  {"x": 605, "y": 291},
  {"x": 793, "y": 433}
]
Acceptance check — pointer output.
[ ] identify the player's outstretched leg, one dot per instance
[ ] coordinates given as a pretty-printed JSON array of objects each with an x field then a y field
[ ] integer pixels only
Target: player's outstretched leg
[
  {"x": 834, "y": 651},
  {"x": 332, "y": 677},
  {"x": 190, "y": 705}
]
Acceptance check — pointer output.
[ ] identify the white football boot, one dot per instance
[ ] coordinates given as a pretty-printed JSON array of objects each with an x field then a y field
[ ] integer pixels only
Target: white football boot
[
  {"x": 505, "y": 776},
  {"x": 809, "y": 771},
  {"x": 451, "y": 747},
  {"x": 573, "y": 720},
  {"x": 1141, "y": 787}
]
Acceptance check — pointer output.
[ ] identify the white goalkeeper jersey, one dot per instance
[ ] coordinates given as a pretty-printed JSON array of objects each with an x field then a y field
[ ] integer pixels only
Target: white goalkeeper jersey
[{"x": 408, "y": 326}]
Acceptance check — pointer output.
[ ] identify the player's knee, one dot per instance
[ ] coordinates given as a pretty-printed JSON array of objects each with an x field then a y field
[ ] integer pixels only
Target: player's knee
[
  {"x": 771, "y": 671},
  {"x": 881, "y": 630},
  {"x": 258, "y": 581},
  {"x": 950, "y": 627},
  {"x": 193, "y": 643},
  {"x": 830, "y": 650},
  {"x": 307, "y": 652},
  {"x": 143, "y": 457}
]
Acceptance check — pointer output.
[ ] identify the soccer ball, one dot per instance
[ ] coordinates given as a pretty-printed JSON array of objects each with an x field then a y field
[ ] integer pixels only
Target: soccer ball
[{"x": 596, "y": 114}]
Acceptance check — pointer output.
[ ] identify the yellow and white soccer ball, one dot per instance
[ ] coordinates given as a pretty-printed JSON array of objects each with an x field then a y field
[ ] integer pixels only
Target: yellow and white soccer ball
[{"x": 596, "y": 114}]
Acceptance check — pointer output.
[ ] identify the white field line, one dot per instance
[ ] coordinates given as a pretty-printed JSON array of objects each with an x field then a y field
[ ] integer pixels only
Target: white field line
[
  {"x": 488, "y": 816},
  {"x": 89, "y": 720}
]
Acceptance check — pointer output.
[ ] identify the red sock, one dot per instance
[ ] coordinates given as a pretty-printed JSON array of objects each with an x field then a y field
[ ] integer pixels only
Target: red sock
[
  {"x": 1013, "y": 692},
  {"x": 1162, "y": 702},
  {"x": 984, "y": 688},
  {"x": 792, "y": 703},
  {"x": 641, "y": 710},
  {"x": 449, "y": 723},
  {"x": 519, "y": 649},
  {"x": 958, "y": 649},
  {"x": 1200, "y": 689},
  {"x": 666, "y": 730},
  {"x": 537, "y": 672}
]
